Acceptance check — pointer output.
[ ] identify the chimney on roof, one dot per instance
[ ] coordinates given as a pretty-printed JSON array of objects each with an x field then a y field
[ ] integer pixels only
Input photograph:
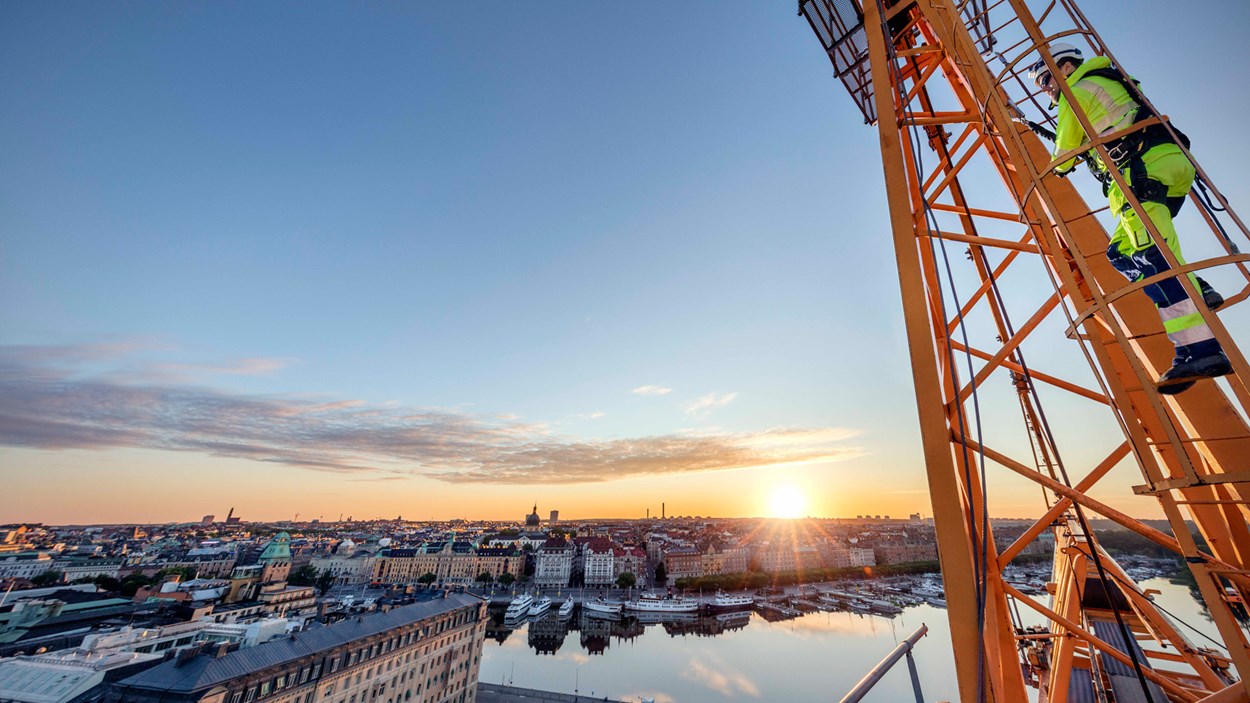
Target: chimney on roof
[
  {"x": 186, "y": 654},
  {"x": 224, "y": 648}
]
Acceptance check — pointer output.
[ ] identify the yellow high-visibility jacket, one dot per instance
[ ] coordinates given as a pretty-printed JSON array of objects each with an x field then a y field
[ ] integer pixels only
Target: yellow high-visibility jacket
[{"x": 1106, "y": 103}]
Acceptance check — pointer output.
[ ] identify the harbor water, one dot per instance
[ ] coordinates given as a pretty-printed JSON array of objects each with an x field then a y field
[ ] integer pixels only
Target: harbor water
[{"x": 676, "y": 658}]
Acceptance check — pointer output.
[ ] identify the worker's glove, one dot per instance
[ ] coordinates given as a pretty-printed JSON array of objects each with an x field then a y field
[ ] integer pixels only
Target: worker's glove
[{"x": 1098, "y": 171}]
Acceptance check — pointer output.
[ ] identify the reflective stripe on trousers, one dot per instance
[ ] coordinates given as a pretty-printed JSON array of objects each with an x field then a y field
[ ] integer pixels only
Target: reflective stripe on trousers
[{"x": 1181, "y": 320}]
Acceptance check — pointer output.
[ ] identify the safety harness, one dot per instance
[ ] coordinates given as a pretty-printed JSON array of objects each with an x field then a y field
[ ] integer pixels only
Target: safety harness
[{"x": 1127, "y": 151}]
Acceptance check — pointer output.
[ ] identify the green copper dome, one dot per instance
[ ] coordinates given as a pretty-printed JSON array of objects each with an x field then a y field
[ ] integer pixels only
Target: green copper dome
[{"x": 277, "y": 550}]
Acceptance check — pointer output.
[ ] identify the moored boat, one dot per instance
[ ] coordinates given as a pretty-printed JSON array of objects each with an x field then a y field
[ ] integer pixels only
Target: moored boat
[
  {"x": 540, "y": 606},
  {"x": 519, "y": 607},
  {"x": 881, "y": 607},
  {"x": 653, "y": 603},
  {"x": 724, "y": 602},
  {"x": 601, "y": 605},
  {"x": 566, "y": 608}
]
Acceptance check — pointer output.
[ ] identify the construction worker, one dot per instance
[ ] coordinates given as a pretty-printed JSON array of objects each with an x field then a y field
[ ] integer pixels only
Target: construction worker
[{"x": 1160, "y": 176}]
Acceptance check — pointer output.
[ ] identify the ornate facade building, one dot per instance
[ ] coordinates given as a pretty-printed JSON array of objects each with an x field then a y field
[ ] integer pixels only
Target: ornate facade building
[
  {"x": 598, "y": 557},
  {"x": 553, "y": 564},
  {"x": 450, "y": 562}
]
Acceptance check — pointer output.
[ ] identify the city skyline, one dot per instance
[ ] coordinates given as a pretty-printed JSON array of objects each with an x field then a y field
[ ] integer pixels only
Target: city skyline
[{"x": 429, "y": 262}]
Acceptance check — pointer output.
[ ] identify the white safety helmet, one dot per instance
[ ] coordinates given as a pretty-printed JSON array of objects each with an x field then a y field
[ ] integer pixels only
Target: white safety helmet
[{"x": 1039, "y": 72}]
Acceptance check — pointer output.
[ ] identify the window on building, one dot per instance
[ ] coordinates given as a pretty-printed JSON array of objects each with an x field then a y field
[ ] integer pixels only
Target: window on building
[
  {"x": 317, "y": 670},
  {"x": 303, "y": 675},
  {"x": 250, "y": 696},
  {"x": 237, "y": 698},
  {"x": 265, "y": 688}
]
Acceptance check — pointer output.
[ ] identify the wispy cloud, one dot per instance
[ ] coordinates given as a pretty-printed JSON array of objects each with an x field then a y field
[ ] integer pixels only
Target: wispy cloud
[
  {"x": 703, "y": 405},
  {"x": 720, "y": 678},
  {"x": 651, "y": 390},
  {"x": 58, "y": 399},
  {"x": 239, "y": 367}
]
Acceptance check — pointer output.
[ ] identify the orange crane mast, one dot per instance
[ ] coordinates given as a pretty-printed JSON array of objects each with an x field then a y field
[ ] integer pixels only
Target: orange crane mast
[{"x": 989, "y": 272}]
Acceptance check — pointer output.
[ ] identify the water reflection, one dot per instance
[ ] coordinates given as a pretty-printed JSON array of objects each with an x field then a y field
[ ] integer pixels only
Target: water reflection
[
  {"x": 546, "y": 634},
  {"x": 741, "y": 656}
]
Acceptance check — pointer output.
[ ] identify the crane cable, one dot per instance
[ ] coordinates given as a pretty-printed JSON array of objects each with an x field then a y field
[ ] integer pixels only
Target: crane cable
[{"x": 1176, "y": 617}]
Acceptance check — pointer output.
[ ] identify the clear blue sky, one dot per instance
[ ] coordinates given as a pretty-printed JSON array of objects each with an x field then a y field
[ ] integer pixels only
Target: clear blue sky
[{"x": 502, "y": 219}]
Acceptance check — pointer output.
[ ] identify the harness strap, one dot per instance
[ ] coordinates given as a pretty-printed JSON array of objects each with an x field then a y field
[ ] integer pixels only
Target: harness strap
[{"x": 1130, "y": 147}]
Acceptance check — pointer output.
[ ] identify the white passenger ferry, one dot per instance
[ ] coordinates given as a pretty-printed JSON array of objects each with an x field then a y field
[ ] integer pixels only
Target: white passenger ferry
[
  {"x": 724, "y": 602},
  {"x": 602, "y": 605},
  {"x": 519, "y": 607},
  {"x": 540, "y": 606},
  {"x": 653, "y": 603}
]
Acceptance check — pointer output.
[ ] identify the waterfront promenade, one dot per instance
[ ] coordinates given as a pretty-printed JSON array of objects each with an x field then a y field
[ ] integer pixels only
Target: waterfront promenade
[{"x": 494, "y": 693}]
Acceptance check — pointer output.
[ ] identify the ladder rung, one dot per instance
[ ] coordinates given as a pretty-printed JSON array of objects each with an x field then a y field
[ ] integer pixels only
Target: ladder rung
[
  {"x": 1171, "y": 484},
  {"x": 1189, "y": 440}
]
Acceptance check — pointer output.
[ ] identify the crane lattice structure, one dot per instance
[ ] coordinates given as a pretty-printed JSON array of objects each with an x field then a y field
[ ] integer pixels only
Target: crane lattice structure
[{"x": 942, "y": 81}]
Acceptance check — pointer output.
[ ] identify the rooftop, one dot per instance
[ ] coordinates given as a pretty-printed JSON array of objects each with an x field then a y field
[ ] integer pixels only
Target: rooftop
[{"x": 205, "y": 670}]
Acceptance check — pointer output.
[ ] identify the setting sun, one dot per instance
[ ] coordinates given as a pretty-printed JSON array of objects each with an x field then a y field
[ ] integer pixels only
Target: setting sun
[{"x": 787, "y": 502}]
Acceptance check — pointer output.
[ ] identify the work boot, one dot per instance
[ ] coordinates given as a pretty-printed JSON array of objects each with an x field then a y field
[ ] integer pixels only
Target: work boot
[
  {"x": 1210, "y": 296},
  {"x": 1184, "y": 373}
]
